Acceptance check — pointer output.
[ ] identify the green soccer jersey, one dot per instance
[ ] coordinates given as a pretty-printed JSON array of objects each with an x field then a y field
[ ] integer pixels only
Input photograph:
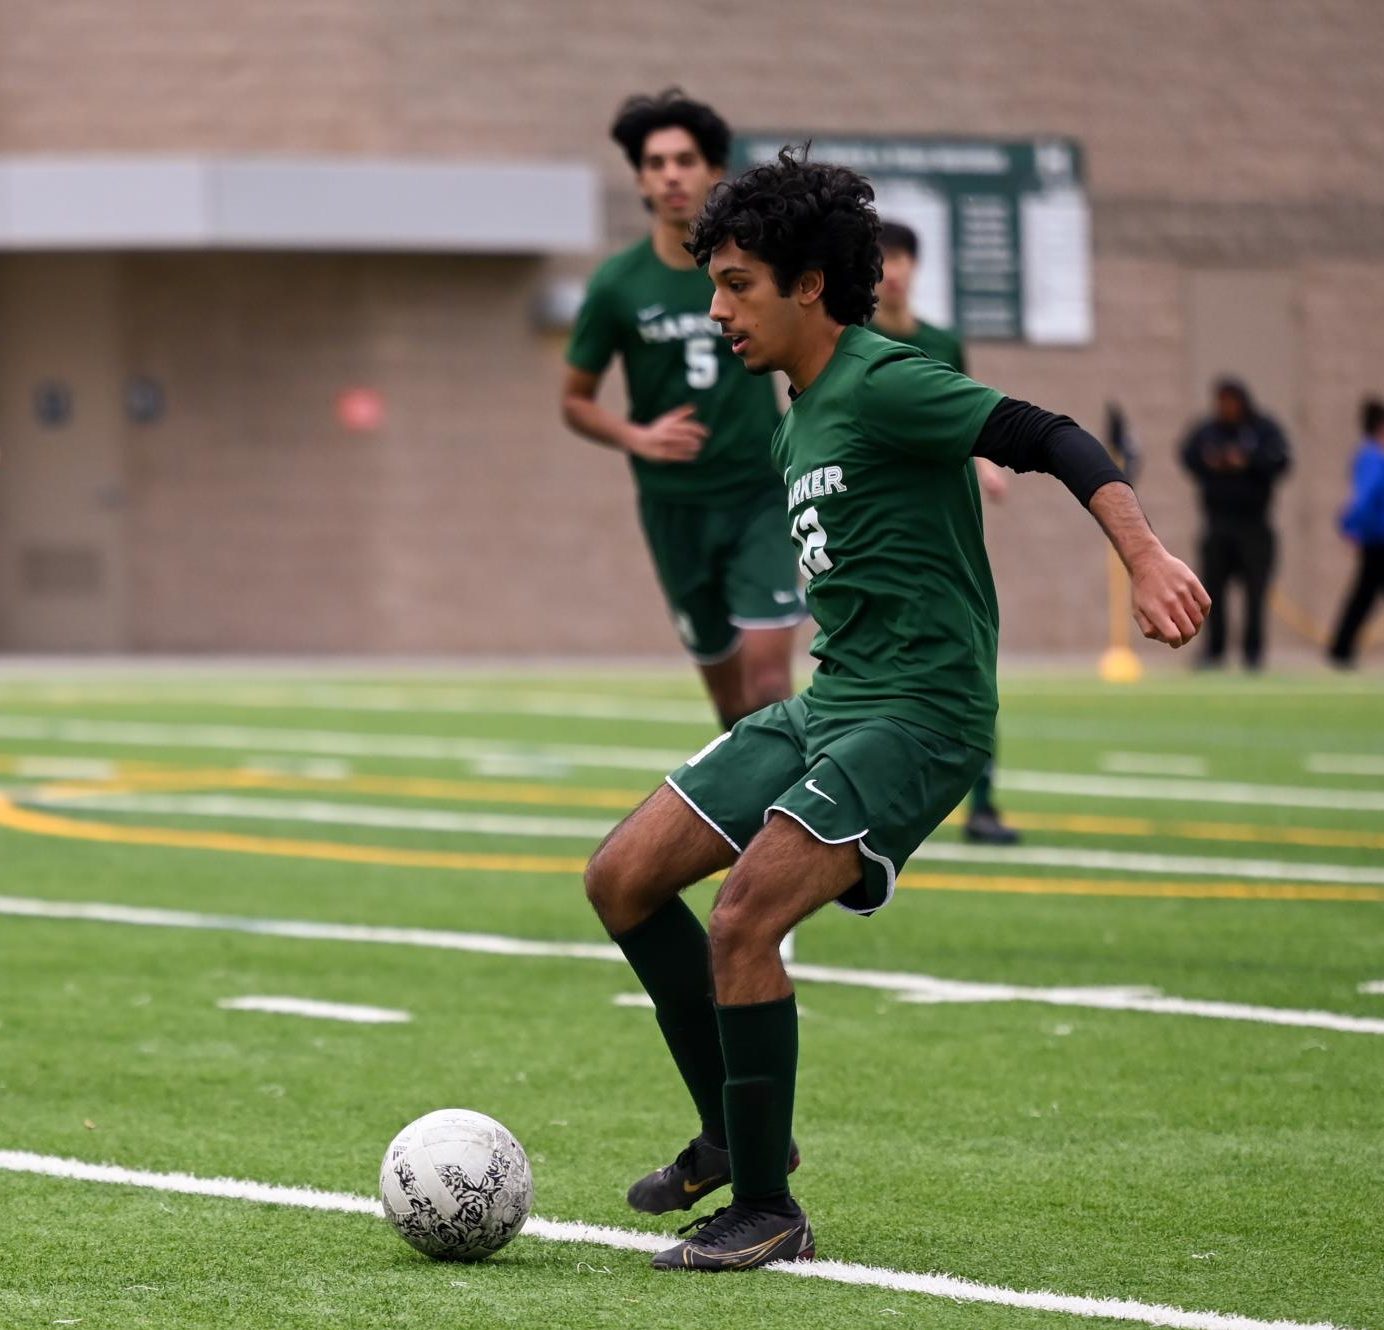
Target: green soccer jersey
[
  {"x": 885, "y": 509},
  {"x": 936, "y": 342},
  {"x": 655, "y": 317}
]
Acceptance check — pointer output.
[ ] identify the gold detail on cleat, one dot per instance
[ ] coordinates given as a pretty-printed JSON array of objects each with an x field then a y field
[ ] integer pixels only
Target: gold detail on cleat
[{"x": 737, "y": 1260}]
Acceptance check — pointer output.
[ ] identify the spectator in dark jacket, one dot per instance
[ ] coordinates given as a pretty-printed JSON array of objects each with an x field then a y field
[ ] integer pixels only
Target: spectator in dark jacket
[
  {"x": 1363, "y": 522},
  {"x": 1237, "y": 456}
]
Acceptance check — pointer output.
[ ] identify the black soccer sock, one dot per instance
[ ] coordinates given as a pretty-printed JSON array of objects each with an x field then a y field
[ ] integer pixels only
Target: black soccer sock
[
  {"x": 760, "y": 1042},
  {"x": 670, "y": 955},
  {"x": 981, "y": 791}
]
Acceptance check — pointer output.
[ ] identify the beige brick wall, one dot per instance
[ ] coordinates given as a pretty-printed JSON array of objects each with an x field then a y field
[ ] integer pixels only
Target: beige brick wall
[
  {"x": 1220, "y": 134},
  {"x": 472, "y": 521},
  {"x": 1231, "y": 100}
]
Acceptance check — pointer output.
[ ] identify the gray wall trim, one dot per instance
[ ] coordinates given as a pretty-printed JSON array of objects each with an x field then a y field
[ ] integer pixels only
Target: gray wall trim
[{"x": 297, "y": 204}]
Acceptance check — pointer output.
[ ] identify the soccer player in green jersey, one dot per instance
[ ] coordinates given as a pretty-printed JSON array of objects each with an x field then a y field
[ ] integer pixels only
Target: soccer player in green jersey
[
  {"x": 699, "y": 426},
  {"x": 825, "y": 796},
  {"x": 894, "y": 318}
]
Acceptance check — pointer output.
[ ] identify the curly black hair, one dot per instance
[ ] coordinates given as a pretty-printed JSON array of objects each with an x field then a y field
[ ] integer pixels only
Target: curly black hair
[
  {"x": 797, "y": 216},
  {"x": 640, "y": 115}
]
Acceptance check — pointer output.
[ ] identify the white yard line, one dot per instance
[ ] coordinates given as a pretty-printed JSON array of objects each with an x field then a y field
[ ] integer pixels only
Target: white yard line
[
  {"x": 555, "y": 1230},
  {"x": 364, "y": 698},
  {"x": 1345, "y": 764},
  {"x": 329, "y": 812},
  {"x": 335, "y": 743},
  {"x": 1288, "y": 733},
  {"x": 318, "y": 768},
  {"x": 1118, "y": 1000},
  {"x": 334, "y": 813},
  {"x": 1130, "y": 861},
  {"x": 40, "y": 767},
  {"x": 1372, "y": 987},
  {"x": 142, "y": 734},
  {"x": 1192, "y": 791},
  {"x": 909, "y": 986},
  {"x": 1209, "y": 691},
  {"x": 1153, "y": 764},
  {"x": 322, "y": 1011}
]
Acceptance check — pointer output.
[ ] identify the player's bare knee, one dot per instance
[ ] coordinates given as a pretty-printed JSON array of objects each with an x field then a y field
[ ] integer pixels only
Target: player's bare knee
[
  {"x": 606, "y": 881},
  {"x": 736, "y": 929}
]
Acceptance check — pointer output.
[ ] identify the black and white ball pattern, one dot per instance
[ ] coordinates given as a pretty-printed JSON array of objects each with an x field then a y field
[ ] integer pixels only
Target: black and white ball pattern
[{"x": 456, "y": 1185}]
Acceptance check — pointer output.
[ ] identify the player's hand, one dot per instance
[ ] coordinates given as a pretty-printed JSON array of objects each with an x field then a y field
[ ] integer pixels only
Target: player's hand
[
  {"x": 1170, "y": 604},
  {"x": 676, "y": 436}
]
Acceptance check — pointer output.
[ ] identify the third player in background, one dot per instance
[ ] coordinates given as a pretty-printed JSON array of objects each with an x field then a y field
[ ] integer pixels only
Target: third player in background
[{"x": 894, "y": 318}]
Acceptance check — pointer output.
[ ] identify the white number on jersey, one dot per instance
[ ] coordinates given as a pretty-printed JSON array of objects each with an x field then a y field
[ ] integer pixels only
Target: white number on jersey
[
  {"x": 812, "y": 540},
  {"x": 702, "y": 365}
]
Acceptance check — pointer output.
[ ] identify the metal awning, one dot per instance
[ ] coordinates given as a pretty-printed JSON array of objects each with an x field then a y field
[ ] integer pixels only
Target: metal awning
[{"x": 291, "y": 203}]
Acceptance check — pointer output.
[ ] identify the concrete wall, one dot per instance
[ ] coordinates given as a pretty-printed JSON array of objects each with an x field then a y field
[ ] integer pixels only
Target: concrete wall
[{"x": 1223, "y": 137}]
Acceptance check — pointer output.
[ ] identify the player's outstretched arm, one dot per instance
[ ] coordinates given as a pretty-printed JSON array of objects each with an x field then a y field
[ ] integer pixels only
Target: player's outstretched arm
[
  {"x": 1170, "y": 604},
  {"x": 676, "y": 436}
]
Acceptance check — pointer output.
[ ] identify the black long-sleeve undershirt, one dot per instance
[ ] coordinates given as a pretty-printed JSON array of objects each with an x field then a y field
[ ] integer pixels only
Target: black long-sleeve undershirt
[{"x": 1024, "y": 437}]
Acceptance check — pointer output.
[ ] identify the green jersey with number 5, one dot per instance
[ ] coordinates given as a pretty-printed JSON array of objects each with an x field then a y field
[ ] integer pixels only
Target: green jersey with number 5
[
  {"x": 885, "y": 510},
  {"x": 656, "y": 319}
]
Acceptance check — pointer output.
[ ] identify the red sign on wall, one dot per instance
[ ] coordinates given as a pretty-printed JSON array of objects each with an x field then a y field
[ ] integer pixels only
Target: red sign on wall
[{"x": 360, "y": 410}]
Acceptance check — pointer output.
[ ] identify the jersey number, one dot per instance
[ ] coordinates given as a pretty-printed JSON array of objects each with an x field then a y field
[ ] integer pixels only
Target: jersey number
[
  {"x": 812, "y": 543},
  {"x": 702, "y": 365}
]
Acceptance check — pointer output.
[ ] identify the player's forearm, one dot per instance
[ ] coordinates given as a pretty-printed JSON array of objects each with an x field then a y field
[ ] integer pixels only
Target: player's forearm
[
  {"x": 1117, "y": 510},
  {"x": 592, "y": 421}
]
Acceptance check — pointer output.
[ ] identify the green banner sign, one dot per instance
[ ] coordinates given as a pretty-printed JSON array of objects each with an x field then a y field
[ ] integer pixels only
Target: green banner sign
[{"x": 1004, "y": 226}]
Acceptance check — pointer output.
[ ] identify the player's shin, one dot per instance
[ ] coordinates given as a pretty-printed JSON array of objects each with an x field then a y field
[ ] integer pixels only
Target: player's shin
[
  {"x": 760, "y": 1044},
  {"x": 670, "y": 956}
]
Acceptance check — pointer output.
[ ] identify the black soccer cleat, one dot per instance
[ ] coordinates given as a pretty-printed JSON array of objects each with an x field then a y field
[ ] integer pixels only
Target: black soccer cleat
[
  {"x": 697, "y": 1171},
  {"x": 985, "y": 827},
  {"x": 739, "y": 1237}
]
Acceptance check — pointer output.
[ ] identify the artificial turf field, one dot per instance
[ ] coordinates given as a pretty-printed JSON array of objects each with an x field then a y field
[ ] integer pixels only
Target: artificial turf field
[{"x": 1156, "y": 1073}]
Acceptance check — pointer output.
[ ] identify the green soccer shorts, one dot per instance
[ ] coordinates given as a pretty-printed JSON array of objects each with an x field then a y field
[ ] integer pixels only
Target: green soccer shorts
[
  {"x": 883, "y": 783},
  {"x": 724, "y": 569}
]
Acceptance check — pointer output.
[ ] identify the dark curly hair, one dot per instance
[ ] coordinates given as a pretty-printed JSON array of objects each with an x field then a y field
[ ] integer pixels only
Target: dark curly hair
[
  {"x": 797, "y": 216},
  {"x": 640, "y": 115}
]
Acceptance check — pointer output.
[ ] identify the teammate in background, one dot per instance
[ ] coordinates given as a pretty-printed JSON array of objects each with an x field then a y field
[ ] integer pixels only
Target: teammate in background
[
  {"x": 823, "y": 797},
  {"x": 894, "y": 318},
  {"x": 698, "y": 432}
]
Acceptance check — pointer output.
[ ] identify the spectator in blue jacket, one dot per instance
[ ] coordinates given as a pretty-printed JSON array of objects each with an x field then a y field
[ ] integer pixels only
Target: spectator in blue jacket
[{"x": 1363, "y": 522}]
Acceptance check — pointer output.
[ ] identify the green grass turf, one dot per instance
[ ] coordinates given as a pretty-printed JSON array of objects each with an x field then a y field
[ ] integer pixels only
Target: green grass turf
[{"x": 1202, "y": 1163}]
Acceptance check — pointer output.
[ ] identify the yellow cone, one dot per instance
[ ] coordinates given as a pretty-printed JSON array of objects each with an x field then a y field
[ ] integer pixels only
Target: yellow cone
[{"x": 1120, "y": 665}]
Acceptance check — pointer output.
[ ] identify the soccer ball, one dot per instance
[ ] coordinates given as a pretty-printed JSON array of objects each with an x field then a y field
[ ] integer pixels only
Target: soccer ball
[{"x": 456, "y": 1185}]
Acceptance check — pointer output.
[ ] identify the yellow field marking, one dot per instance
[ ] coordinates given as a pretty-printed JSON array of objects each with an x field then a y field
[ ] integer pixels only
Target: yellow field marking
[
  {"x": 136, "y": 777},
  {"x": 47, "y": 824},
  {"x": 67, "y": 828},
  {"x": 1247, "y": 832}
]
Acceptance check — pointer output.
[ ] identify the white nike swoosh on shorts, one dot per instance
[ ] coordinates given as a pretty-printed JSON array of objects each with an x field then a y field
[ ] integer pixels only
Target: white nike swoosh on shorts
[
  {"x": 812, "y": 785},
  {"x": 785, "y": 597}
]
